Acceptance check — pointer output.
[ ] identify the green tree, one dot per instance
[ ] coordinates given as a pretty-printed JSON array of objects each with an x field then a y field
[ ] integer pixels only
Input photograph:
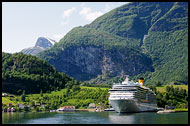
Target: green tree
[
  {"x": 23, "y": 97},
  {"x": 32, "y": 103},
  {"x": 26, "y": 108},
  {"x": 41, "y": 93},
  {"x": 75, "y": 88},
  {"x": 158, "y": 84}
]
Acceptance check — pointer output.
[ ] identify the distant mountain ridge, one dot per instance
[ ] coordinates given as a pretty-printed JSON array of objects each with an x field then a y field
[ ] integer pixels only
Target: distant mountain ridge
[
  {"x": 41, "y": 45},
  {"x": 140, "y": 39}
]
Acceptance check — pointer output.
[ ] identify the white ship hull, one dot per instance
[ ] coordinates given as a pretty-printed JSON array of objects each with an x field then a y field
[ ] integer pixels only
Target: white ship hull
[{"x": 131, "y": 105}]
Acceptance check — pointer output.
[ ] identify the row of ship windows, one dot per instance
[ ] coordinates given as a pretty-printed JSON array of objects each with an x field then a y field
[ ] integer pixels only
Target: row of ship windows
[
  {"x": 121, "y": 97},
  {"x": 125, "y": 88},
  {"x": 144, "y": 97},
  {"x": 148, "y": 95},
  {"x": 143, "y": 92},
  {"x": 121, "y": 94}
]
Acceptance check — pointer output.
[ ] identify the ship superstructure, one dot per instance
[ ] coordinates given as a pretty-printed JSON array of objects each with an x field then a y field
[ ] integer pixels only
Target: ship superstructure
[{"x": 129, "y": 96}]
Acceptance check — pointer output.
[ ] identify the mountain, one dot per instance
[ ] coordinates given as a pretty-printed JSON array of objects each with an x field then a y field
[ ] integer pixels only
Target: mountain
[
  {"x": 41, "y": 45},
  {"x": 26, "y": 72},
  {"x": 140, "y": 39}
]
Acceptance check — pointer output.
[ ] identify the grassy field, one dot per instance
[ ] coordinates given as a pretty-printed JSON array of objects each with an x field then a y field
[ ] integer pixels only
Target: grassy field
[
  {"x": 31, "y": 97},
  {"x": 163, "y": 88},
  {"x": 6, "y": 100},
  {"x": 181, "y": 110},
  {"x": 62, "y": 92},
  {"x": 51, "y": 93}
]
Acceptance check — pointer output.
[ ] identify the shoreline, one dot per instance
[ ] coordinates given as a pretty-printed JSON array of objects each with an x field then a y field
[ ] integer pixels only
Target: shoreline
[
  {"x": 171, "y": 111},
  {"x": 159, "y": 112},
  {"x": 95, "y": 110},
  {"x": 90, "y": 110}
]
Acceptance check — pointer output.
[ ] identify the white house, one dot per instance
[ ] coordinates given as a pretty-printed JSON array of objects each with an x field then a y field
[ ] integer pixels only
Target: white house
[
  {"x": 20, "y": 106},
  {"x": 43, "y": 106},
  {"x": 4, "y": 94},
  {"x": 92, "y": 105}
]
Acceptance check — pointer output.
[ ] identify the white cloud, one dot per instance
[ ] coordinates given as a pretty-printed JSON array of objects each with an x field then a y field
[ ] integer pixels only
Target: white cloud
[
  {"x": 89, "y": 14},
  {"x": 68, "y": 12},
  {"x": 85, "y": 10},
  {"x": 66, "y": 15}
]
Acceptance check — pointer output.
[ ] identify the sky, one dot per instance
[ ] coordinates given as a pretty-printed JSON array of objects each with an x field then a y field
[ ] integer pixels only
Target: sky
[{"x": 24, "y": 22}]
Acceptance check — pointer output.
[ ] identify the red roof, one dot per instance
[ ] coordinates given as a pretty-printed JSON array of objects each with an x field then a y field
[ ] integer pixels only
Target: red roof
[{"x": 67, "y": 107}]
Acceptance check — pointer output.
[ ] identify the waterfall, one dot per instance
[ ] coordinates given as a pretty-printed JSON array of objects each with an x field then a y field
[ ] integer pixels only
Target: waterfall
[{"x": 144, "y": 37}]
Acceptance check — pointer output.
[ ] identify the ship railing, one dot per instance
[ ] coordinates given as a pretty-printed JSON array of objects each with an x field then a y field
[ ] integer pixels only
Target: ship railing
[{"x": 117, "y": 84}]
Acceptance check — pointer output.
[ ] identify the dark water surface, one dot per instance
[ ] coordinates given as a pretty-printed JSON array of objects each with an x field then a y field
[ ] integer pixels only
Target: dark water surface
[{"x": 94, "y": 118}]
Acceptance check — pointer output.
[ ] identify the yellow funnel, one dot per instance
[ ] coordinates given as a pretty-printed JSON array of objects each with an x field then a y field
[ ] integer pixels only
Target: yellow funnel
[{"x": 141, "y": 80}]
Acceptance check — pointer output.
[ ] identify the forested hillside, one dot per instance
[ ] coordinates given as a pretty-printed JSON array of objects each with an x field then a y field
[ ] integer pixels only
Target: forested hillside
[
  {"x": 140, "y": 39},
  {"x": 26, "y": 72}
]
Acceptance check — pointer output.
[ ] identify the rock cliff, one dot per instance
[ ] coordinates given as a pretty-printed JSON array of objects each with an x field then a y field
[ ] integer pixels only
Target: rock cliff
[{"x": 87, "y": 62}]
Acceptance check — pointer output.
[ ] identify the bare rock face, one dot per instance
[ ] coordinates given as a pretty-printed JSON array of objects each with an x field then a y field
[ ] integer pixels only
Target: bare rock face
[
  {"x": 87, "y": 62},
  {"x": 45, "y": 42},
  {"x": 41, "y": 45}
]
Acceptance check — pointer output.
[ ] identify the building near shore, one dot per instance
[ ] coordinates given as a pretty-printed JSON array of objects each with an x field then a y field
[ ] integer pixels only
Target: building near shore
[
  {"x": 4, "y": 94},
  {"x": 8, "y": 109},
  {"x": 66, "y": 108},
  {"x": 20, "y": 106},
  {"x": 10, "y": 104},
  {"x": 92, "y": 105},
  {"x": 43, "y": 106},
  {"x": 38, "y": 104},
  {"x": 13, "y": 109}
]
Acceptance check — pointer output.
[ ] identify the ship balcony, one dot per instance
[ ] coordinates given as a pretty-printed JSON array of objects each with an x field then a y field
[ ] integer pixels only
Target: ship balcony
[{"x": 120, "y": 97}]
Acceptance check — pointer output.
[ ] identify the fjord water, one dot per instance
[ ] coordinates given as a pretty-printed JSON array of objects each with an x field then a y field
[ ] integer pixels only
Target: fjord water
[{"x": 93, "y": 118}]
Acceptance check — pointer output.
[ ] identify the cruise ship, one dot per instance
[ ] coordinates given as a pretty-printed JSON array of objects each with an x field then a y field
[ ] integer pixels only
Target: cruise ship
[{"x": 129, "y": 96}]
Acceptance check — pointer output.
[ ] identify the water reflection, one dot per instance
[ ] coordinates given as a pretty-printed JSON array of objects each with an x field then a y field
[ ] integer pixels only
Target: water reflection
[
  {"x": 122, "y": 118},
  {"x": 93, "y": 118},
  {"x": 24, "y": 117}
]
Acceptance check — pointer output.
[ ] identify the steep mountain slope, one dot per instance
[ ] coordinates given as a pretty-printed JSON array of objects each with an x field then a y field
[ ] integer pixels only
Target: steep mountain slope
[
  {"x": 85, "y": 53},
  {"x": 132, "y": 20},
  {"x": 141, "y": 39},
  {"x": 41, "y": 45},
  {"x": 25, "y": 72}
]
